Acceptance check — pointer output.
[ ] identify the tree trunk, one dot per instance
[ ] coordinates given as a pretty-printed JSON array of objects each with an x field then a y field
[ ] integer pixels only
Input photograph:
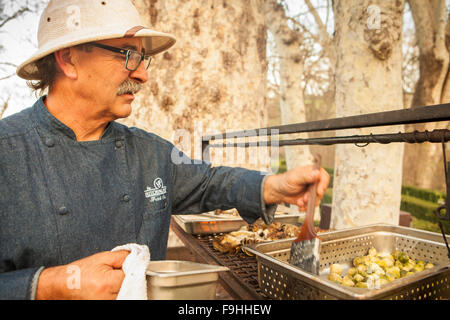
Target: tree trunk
[
  {"x": 213, "y": 80},
  {"x": 292, "y": 107},
  {"x": 367, "y": 181},
  {"x": 423, "y": 162}
]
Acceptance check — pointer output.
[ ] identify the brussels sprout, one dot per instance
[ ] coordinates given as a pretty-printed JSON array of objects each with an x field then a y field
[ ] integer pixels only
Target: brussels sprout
[
  {"x": 380, "y": 272},
  {"x": 372, "y": 280},
  {"x": 429, "y": 265},
  {"x": 398, "y": 264},
  {"x": 361, "y": 285},
  {"x": 412, "y": 262},
  {"x": 346, "y": 281},
  {"x": 358, "y": 278},
  {"x": 382, "y": 263},
  {"x": 336, "y": 268},
  {"x": 374, "y": 268},
  {"x": 335, "y": 277},
  {"x": 421, "y": 263},
  {"x": 389, "y": 256},
  {"x": 388, "y": 261},
  {"x": 403, "y": 257},
  {"x": 391, "y": 277},
  {"x": 404, "y": 273},
  {"x": 373, "y": 252},
  {"x": 396, "y": 254},
  {"x": 418, "y": 268},
  {"x": 361, "y": 269},
  {"x": 351, "y": 272},
  {"x": 407, "y": 267},
  {"x": 394, "y": 271},
  {"x": 357, "y": 261},
  {"x": 365, "y": 260}
]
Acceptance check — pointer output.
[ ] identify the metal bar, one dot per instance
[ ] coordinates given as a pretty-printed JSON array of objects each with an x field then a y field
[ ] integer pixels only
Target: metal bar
[
  {"x": 435, "y": 136},
  {"x": 440, "y": 112}
]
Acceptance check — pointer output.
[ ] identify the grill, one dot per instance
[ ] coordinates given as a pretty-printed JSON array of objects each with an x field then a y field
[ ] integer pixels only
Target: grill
[{"x": 243, "y": 267}]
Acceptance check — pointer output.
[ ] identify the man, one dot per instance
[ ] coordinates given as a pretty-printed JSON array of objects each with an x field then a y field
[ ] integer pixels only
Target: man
[{"x": 74, "y": 183}]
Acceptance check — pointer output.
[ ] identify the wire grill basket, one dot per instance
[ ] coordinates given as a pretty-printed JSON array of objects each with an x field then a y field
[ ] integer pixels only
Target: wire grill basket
[{"x": 280, "y": 280}]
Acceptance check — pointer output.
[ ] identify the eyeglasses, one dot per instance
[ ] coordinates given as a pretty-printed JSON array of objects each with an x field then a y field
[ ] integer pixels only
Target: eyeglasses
[{"x": 133, "y": 58}]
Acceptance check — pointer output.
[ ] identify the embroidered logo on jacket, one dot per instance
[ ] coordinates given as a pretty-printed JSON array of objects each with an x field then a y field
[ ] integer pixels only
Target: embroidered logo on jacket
[{"x": 157, "y": 193}]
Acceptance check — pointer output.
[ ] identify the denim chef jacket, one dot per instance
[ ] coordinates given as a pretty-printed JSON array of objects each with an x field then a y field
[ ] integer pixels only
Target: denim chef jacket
[{"x": 63, "y": 200}]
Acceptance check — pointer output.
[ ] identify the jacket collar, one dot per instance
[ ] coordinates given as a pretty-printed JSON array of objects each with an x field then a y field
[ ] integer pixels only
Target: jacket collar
[{"x": 56, "y": 127}]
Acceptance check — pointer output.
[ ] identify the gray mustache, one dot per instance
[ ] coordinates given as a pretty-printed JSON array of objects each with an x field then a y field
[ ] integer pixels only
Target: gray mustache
[{"x": 129, "y": 86}]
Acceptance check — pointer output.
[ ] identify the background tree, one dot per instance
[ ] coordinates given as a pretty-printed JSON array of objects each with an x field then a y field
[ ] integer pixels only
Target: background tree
[
  {"x": 288, "y": 41},
  {"x": 367, "y": 181},
  {"x": 11, "y": 11},
  {"x": 214, "y": 78},
  {"x": 433, "y": 87}
]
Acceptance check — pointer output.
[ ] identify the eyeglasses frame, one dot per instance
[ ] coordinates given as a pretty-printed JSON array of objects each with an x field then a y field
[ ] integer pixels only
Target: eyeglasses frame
[{"x": 126, "y": 53}]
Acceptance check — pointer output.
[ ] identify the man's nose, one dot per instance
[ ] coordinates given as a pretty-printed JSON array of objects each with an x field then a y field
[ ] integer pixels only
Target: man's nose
[{"x": 140, "y": 74}]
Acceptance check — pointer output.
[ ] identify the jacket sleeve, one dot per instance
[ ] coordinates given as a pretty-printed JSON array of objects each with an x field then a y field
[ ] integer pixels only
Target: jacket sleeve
[
  {"x": 19, "y": 284},
  {"x": 199, "y": 187}
]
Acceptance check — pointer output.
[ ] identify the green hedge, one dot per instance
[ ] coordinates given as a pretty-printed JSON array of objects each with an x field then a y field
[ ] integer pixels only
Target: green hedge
[
  {"x": 328, "y": 196},
  {"x": 331, "y": 173},
  {"x": 419, "y": 208},
  {"x": 422, "y": 209},
  {"x": 424, "y": 194}
]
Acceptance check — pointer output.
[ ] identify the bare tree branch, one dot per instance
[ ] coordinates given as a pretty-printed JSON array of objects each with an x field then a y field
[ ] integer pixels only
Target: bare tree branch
[
  {"x": 326, "y": 39},
  {"x": 7, "y": 77},
  {"x": 319, "y": 22},
  {"x": 9, "y": 64},
  {"x": 14, "y": 16}
]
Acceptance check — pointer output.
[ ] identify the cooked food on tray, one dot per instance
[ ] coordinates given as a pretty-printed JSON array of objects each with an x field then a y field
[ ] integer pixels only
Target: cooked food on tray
[
  {"x": 232, "y": 242},
  {"x": 233, "y": 213},
  {"x": 373, "y": 270}
]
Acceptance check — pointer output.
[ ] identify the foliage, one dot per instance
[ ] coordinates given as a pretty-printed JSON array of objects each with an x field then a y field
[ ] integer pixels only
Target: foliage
[{"x": 424, "y": 194}]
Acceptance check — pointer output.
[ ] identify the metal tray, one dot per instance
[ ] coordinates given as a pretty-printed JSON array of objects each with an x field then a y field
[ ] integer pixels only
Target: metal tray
[
  {"x": 281, "y": 280},
  {"x": 182, "y": 280},
  {"x": 207, "y": 224}
]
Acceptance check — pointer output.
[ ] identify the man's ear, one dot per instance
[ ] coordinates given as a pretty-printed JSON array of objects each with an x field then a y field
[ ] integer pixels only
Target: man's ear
[{"x": 64, "y": 60}]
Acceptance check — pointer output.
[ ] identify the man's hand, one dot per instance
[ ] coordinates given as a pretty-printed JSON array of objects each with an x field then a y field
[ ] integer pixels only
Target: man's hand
[
  {"x": 96, "y": 277},
  {"x": 292, "y": 186}
]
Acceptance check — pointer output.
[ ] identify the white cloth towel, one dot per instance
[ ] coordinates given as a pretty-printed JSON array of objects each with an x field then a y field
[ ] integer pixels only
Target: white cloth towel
[{"x": 134, "y": 285}]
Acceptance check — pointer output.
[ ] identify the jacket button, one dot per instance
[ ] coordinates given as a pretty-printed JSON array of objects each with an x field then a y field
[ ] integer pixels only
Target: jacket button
[
  {"x": 119, "y": 144},
  {"x": 63, "y": 211},
  {"x": 126, "y": 198},
  {"x": 49, "y": 142}
]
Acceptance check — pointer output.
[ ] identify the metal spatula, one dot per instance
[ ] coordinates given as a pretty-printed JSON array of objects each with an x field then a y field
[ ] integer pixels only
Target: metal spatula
[{"x": 306, "y": 248}]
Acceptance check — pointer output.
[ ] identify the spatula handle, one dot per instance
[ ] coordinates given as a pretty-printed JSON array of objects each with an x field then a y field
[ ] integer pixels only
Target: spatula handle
[{"x": 307, "y": 231}]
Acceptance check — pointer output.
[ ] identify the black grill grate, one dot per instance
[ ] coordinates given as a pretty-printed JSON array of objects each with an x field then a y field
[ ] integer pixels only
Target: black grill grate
[{"x": 243, "y": 267}]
